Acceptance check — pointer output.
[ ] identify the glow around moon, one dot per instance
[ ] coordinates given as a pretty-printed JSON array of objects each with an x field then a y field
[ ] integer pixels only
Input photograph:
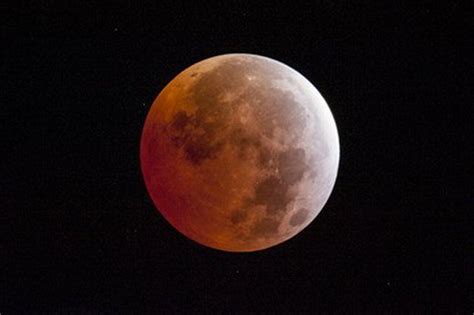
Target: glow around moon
[{"x": 239, "y": 152}]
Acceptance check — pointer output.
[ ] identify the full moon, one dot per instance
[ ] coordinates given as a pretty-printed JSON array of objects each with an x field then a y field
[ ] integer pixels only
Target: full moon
[{"x": 239, "y": 152}]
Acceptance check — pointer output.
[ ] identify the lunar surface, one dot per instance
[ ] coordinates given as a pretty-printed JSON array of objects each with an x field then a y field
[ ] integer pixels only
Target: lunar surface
[{"x": 239, "y": 152}]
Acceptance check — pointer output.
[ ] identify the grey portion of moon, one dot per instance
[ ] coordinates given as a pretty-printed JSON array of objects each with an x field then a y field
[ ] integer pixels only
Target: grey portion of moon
[{"x": 255, "y": 132}]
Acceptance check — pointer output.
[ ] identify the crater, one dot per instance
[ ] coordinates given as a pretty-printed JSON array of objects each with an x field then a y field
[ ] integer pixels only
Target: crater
[
  {"x": 177, "y": 128},
  {"x": 266, "y": 227},
  {"x": 272, "y": 193},
  {"x": 199, "y": 150},
  {"x": 264, "y": 157},
  {"x": 180, "y": 120},
  {"x": 243, "y": 141},
  {"x": 196, "y": 134},
  {"x": 239, "y": 216},
  {"x": 299, "y": 217},
  {"x": 291, "y": 165}
]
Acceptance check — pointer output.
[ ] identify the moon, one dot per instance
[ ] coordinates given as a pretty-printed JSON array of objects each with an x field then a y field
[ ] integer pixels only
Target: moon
[{"x": 239, "y": 152}]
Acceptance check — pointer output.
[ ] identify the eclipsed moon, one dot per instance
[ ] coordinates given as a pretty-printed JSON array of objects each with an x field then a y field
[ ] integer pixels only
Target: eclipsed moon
[{"x": 239, "y": 152}]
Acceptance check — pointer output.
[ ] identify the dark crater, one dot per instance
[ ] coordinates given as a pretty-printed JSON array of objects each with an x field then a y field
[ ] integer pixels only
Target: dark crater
[
  {"x": 299, "y": 217},
  {"x": 238, "y": 216},
  {"x": 186, "y": 132},
  {"x": 291, "y": 165},
  {"x": 273, "y": 190},
  {"x": 266, "y": 227},
  {"x": 198, "y": 150},
  {"x": 244, "y": 141}
]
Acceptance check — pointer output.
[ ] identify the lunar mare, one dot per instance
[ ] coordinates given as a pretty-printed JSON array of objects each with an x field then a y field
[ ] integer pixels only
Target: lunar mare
[{"x": 239, "y": 152}]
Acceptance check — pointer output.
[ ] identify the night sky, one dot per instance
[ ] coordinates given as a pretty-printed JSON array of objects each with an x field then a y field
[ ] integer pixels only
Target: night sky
[{"x": 79, "y": 233}]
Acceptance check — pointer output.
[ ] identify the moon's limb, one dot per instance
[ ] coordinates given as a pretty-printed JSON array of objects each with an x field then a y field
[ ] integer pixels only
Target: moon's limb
[{"x": 239, "y": 152}]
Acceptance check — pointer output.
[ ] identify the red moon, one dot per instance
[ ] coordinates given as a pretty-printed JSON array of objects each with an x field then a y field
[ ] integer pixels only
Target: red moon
[{"x": 239, "y": 152}]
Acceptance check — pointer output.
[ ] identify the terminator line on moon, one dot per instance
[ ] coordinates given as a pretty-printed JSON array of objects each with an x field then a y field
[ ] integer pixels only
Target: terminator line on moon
[{"x": 239, "y": 152}]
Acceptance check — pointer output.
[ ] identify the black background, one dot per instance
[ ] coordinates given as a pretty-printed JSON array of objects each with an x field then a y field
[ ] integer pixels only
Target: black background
[{"x": 79, "y": 233}]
